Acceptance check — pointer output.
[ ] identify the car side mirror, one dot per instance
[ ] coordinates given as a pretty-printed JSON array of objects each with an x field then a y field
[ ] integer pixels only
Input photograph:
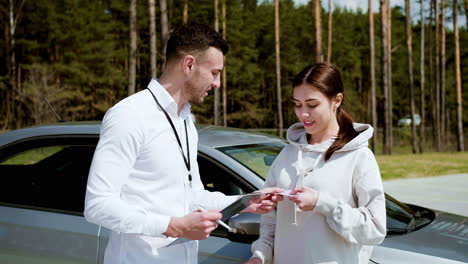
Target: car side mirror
[{"x": 245, "y": 228}]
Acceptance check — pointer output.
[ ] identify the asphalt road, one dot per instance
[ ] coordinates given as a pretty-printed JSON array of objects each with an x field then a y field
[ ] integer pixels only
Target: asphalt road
[{"x": 445, "y": 193}]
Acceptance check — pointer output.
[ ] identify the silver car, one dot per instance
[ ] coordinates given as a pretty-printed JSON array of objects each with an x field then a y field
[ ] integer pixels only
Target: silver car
[{"x": 44, "y": 172}]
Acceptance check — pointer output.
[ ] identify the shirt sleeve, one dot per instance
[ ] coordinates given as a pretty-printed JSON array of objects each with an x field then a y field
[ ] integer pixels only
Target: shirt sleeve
[
  {"x": 365, "y": 224},
  {"x": 263, "y": 247},
  {"x": 120, "y": 140}
]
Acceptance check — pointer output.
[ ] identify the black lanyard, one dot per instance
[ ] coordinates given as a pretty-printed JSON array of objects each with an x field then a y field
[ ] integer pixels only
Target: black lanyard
[{"x": 186, "y": 160}]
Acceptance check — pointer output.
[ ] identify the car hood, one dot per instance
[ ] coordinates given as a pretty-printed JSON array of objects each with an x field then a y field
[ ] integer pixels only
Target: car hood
[{"x": 446, "y": 237}]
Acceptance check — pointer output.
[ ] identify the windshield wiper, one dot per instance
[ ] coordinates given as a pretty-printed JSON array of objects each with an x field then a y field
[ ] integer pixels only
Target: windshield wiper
[
  {"x": 398, "y": 231},
  {"x": 414, "y": 220}
]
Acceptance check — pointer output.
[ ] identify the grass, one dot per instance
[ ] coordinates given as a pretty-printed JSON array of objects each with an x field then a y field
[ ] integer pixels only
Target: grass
[{"x": 422, "y": 165}]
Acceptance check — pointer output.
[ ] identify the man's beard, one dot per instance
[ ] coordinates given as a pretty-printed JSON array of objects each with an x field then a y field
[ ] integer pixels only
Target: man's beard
[{"x": 193, "y": 96}]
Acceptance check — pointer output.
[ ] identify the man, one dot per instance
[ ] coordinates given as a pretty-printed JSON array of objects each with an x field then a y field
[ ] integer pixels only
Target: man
[{"x": 144, "y": 182}]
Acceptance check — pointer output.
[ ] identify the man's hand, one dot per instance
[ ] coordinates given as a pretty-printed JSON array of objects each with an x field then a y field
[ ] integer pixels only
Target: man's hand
[
  {"x": 265, "y": 203},
  {"x": 195, "y": 226},
  {"x": 306, "y": 198},
  {"x": 254, "y": 261}
]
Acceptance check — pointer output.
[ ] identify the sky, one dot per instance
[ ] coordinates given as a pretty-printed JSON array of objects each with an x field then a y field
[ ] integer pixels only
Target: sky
[
  {"x": 363, "y": 4},
  {"x": 354, "y": 4}
]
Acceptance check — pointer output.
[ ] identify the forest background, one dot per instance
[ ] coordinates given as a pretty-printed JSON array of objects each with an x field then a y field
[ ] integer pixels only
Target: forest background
[{"x": 74, "y": 55}]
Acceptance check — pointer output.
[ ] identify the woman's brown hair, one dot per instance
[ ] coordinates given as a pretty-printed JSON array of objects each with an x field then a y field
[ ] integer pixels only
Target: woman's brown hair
[{"x": 327, "y": 79}]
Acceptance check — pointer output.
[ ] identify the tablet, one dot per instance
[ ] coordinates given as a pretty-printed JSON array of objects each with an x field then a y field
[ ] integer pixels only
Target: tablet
[{"x": 238, "y": 205}]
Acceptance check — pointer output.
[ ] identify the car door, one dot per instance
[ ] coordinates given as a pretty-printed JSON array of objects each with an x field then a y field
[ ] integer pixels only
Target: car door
[
  {"x": 42, "y": 189},
  {"x": 218, "y": 248}
]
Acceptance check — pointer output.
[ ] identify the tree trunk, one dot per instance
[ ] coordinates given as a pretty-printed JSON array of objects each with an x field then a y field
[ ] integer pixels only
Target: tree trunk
[
  {"x": 164, "y": 29},
  {"x": 330, "y": 31},
  {"x": 185, "y": 13},
  {"x": 410, "y": 72},
  {"x": 223, "y": 13},
  {"x": 460, "y": 143},
  {"x": 422, "y": 98},
  {"x": 152, "y": 26},
  {"x": 14, "y": 14},
  {"x": 437, "y": 75},
  {"x": 372, "y": 76},
  {"x": 8, "y": 101},
  {"x": 12, "y": 19},
  {"x": 216, "y": 21},
  {"x": 216, "y": 91},
  {"x": 390, "y": 90},
  {"x": 384, "y": 63},
  {"x": 278, "y": 69},
  {"x": 443, "y": 133},
  {"x": 318, "y": 31},
  {"x": 431, "y": 75},
  {"x": 133, "y": 47}
]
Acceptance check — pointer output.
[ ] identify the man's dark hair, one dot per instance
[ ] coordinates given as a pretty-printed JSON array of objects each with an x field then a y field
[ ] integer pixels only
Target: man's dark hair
[{"x": 193, "y": 37}]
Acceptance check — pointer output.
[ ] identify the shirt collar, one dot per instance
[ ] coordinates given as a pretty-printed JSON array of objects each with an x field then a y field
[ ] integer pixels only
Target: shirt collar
[{"x": 167, "y": 101}]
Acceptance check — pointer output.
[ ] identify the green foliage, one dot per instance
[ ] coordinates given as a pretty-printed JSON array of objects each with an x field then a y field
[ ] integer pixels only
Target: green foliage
[{"x": 75, "y": 54}]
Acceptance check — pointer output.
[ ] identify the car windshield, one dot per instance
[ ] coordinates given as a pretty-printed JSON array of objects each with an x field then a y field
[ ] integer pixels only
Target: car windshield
[{"x": 256, "y": 157}]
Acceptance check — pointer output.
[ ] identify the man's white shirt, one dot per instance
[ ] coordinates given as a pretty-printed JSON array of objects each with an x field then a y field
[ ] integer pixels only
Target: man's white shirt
[{"x": 138, "y": 179}]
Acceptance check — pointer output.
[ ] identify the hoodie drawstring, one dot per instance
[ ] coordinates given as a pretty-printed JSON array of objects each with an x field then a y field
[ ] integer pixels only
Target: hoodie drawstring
[{"x": 302, "y": 173}]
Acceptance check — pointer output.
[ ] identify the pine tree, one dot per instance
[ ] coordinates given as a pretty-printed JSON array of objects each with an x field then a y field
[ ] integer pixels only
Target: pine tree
[
  {"x": 216, "y": 91},
  {"x": 133, "y": 47},
  {"x": 317, "y": 14},
  {"x": 410, "y": 73},
  {"x": 385, "y": 71},
  {"x": 422, "y": 93},
  {"x": 460, "y": 141},
  {"x": 330, "y": 31},
  {"x": 152, "y": 33},
  {"x": 372, "y": 76},
  {"x": 164, "y": 28},
  {"x": 278, "y": 69}
]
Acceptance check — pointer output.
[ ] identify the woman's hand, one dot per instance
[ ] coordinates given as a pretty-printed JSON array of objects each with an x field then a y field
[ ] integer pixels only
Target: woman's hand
[
  {"x": 265, "y": 203},
  {"x": 254, "y": 261},
  {"x": 306, "y": 198}
]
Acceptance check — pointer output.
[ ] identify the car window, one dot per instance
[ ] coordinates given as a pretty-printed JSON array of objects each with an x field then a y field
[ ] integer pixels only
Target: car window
[
  {"x": 32, "y": 156},
  {"x": 257, "y": 157},
  {"x": 51, "y": 177},
  {"x": 217, "y": 178}
]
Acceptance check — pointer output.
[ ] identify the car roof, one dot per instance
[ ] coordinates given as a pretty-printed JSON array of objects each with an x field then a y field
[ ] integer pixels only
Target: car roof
[
  {"x": 210, "y": 136},
  {"x": 216, "y": 136},
  {"x": 65, "y": 128}
]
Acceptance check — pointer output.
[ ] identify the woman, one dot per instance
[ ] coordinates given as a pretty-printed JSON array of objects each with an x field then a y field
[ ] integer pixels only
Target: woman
[{"x": 336, "y": 209}]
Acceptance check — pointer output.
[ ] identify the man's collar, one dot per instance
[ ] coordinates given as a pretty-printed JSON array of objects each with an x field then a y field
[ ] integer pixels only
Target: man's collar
[{"x": 167, "y": 101}]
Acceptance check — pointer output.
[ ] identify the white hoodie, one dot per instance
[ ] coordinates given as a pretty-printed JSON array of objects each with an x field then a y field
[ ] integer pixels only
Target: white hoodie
[{"x": 349, "y": 218}]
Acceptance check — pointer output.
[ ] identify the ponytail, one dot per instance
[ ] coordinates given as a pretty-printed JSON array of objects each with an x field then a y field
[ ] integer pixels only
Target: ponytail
[{"x": 345, "y": 134}]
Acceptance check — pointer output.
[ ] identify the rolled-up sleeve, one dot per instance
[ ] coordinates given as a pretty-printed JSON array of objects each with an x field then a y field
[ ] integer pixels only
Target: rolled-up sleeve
[
  {"x": 120, "y": 140},
  {"x": 365, "y": 224}
]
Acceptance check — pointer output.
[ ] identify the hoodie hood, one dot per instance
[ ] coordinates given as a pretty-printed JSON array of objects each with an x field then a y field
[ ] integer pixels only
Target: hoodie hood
[{"x": 297, "y": 136}]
